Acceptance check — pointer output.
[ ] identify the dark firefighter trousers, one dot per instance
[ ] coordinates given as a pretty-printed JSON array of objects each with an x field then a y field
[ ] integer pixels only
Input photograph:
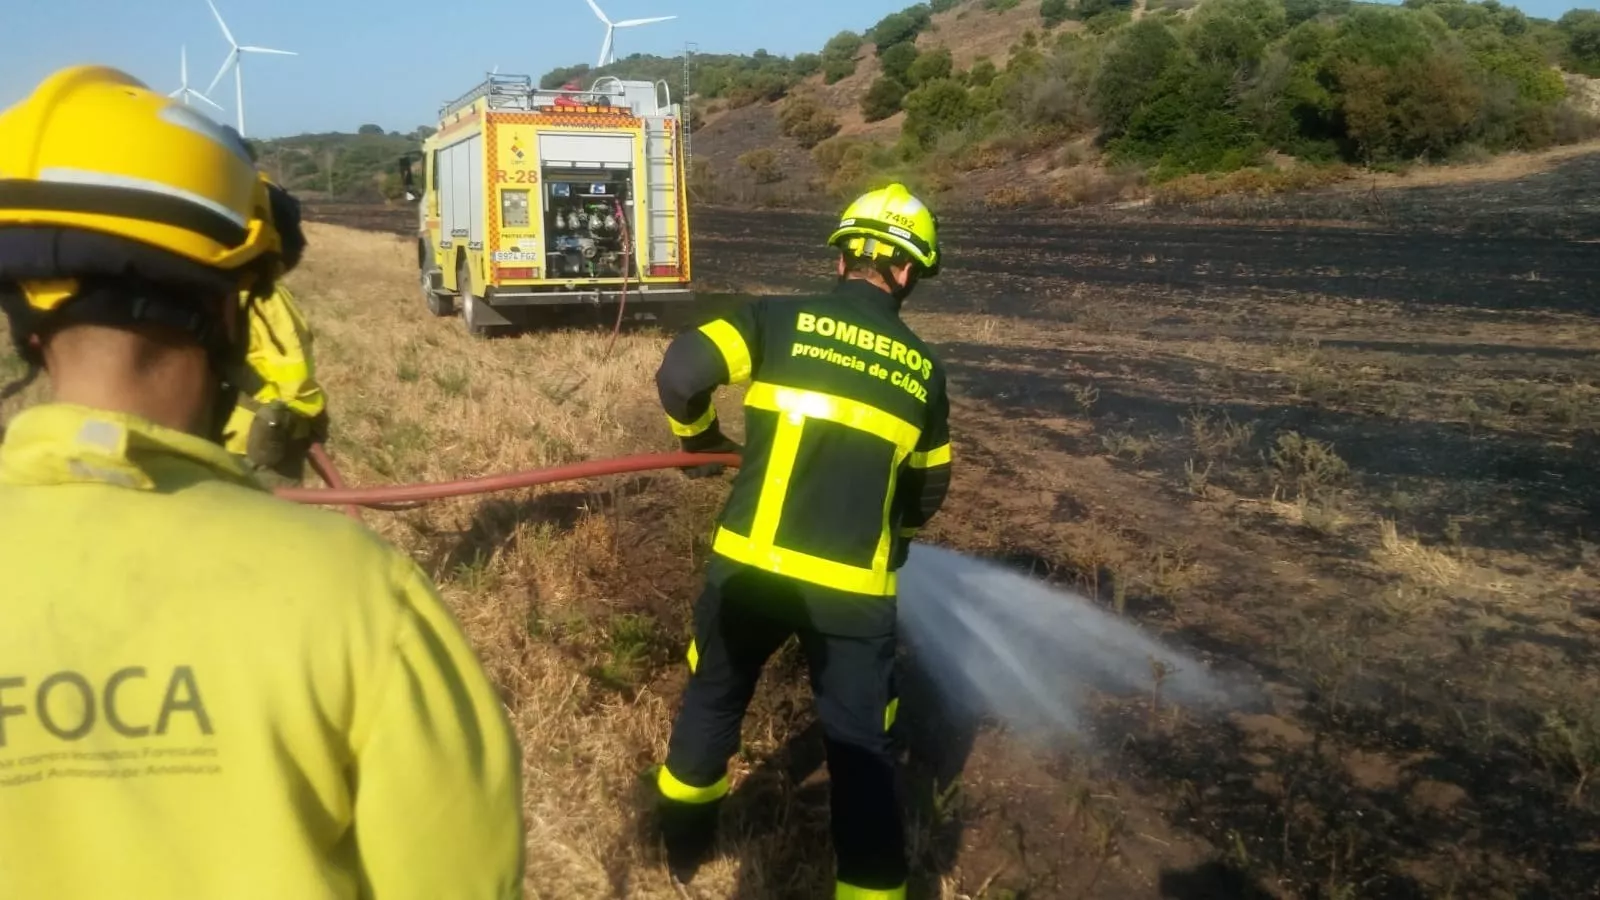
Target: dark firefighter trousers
[{"x": 741, "y": 619}]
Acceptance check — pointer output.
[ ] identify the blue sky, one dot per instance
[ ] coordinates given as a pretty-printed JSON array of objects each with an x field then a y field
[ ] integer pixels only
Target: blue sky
[{"x": 392, "y": 62}]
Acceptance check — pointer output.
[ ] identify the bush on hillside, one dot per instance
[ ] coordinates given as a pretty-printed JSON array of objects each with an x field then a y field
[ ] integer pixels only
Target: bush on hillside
[
  {"x": 839, "y": 56},
  {"x": 1090, "y": 9},
  {"x": 1581, "y": 27},
  {"x": 805, "y": 120},
  {"x": 1423, "y": 107},
  {"x": 807, "y": 64},
  {"x": 1057, "y": 97},
  {"x": 939, "y": 107},
  {"x": 882, "y": 99},
  {"x": 1054, "y": 12},
  {"x": 982, "y": 74},
  {"x": 850, "y": 164},
  {"x": 900, "y": 27},
  {"x": 1128, "y": 77},
  {"x": 898, "y": 60},
  {"x": 764, "y": 165},
  {"x": 930, "y": 66},
  {"x": 756, "y": 87},
  {"x": 1297, "y": 11},
  {"x": 837, "y": 70}
]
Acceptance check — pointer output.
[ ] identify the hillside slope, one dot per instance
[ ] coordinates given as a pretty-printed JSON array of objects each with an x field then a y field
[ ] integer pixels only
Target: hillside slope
[
  {"x": 1074, "y": 101},
  {"x": 1006, "y": 103}
]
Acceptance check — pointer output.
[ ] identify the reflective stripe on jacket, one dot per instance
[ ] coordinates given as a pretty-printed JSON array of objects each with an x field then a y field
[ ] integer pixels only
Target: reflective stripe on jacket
[
  {"x": 209, "y": 692},
  {"x": 847, "y": 447}
]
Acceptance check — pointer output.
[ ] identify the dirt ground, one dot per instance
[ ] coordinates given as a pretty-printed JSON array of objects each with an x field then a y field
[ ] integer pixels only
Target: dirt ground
[{"x": 1349, "y": 453}]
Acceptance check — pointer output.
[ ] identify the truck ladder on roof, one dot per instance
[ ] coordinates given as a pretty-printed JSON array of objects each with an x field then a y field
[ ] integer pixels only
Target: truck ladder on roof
[{"x": 514, "y": 91}]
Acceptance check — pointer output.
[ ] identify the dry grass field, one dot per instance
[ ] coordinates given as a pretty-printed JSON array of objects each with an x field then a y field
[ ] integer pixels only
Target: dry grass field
[{"x": 1356, "y": 461}]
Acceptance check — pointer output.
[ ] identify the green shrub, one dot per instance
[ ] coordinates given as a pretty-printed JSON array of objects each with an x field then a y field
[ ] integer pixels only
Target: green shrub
[
  {"x": 930, "y": 66},
  {"x": 756, "y": 87},
  {"x": 936, "y": 108},
  {"x": 1054, "y": 12},
  {"x": 837, "y": 70},
  {"x": 982, "y": 74},
  {"x": 1298, "y": 11},
  {"x": 1128, "y": 77},
  {"x": 900, "y": 27},
  {"x": 839, "y": 56},
  {"x": 830, "y": 154},
  {"x": 883, "y": 99},
  {"x": 764, "y": 165},
  {"x": 1582, "y": 30},
  {"x": 1089, "y": 9},
  {"x": 1419, "y": 108},
  {"x": 1189, "y": 124},
  {"x": 806, "y": 64},
  {"x": 898, "y": 60},
  {"x": 1381, "y": 36},
  {"x": 805, "y": 120}
]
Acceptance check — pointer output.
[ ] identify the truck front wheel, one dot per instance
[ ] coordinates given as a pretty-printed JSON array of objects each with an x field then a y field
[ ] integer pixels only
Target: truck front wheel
[
  {"x": 469, "y": 301},
  {"x": 439, "y": 303}
]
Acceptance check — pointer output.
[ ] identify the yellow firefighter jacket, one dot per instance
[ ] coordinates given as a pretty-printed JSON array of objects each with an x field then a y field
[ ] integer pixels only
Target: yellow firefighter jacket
[
  {"x": 280, "y": 355},
  {"x": 209, "y": 692}
]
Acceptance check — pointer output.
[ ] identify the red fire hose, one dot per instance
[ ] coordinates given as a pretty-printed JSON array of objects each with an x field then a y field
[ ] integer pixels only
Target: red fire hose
[
  {"x": 403, "y": 496},
  {"x": 408, "y": 496}
]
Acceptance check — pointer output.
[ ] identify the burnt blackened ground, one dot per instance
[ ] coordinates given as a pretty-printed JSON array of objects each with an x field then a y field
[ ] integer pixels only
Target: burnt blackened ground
[{"x": 1354, "y": 461}]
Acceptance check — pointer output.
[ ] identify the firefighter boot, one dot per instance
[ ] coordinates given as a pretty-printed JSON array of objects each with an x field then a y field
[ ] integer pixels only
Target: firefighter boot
[{"x": 688, "y": 830}]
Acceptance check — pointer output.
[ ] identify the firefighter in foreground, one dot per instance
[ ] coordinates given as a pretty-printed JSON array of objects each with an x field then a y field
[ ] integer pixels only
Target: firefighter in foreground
[
  {"x": 204, "y": 691},
  {"x": 846, "y": 455}
]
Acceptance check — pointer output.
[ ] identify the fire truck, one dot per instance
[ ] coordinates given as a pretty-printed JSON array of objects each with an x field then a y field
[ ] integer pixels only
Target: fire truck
[{"x": 538, "y": 198}]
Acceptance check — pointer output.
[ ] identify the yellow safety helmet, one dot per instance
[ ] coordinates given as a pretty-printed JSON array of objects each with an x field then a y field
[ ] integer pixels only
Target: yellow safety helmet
[
  {"x": 95, "y": 150},
  {"x": 103, "y": 180},
  {"x": 890, "y": 222}
]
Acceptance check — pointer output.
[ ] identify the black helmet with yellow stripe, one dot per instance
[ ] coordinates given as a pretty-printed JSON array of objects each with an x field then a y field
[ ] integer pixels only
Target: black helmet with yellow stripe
[{"x": 119, "y": 206}]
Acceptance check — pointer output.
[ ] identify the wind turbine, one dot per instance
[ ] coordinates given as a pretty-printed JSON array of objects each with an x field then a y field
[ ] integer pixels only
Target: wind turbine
[
  {"x": 233, "y": 60},
  {"x": 184, "y": 92},
  {"x": 607, "y": 50}
]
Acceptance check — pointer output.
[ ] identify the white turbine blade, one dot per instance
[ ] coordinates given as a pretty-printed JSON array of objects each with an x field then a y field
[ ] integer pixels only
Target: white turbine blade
[
  {"x": 206, "y": 100},
  {"x": 267, "y": 50},
  {"x": 597, "y": 11},
  {"x": 225, "y": 32},
  {"x": 183, "y": 65},
  {"x": 233, "y": 57},
  {"x": 605, "y": 48},
  {"x": 177, "y": 92},
  {"x": 632, "y": 22}
]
